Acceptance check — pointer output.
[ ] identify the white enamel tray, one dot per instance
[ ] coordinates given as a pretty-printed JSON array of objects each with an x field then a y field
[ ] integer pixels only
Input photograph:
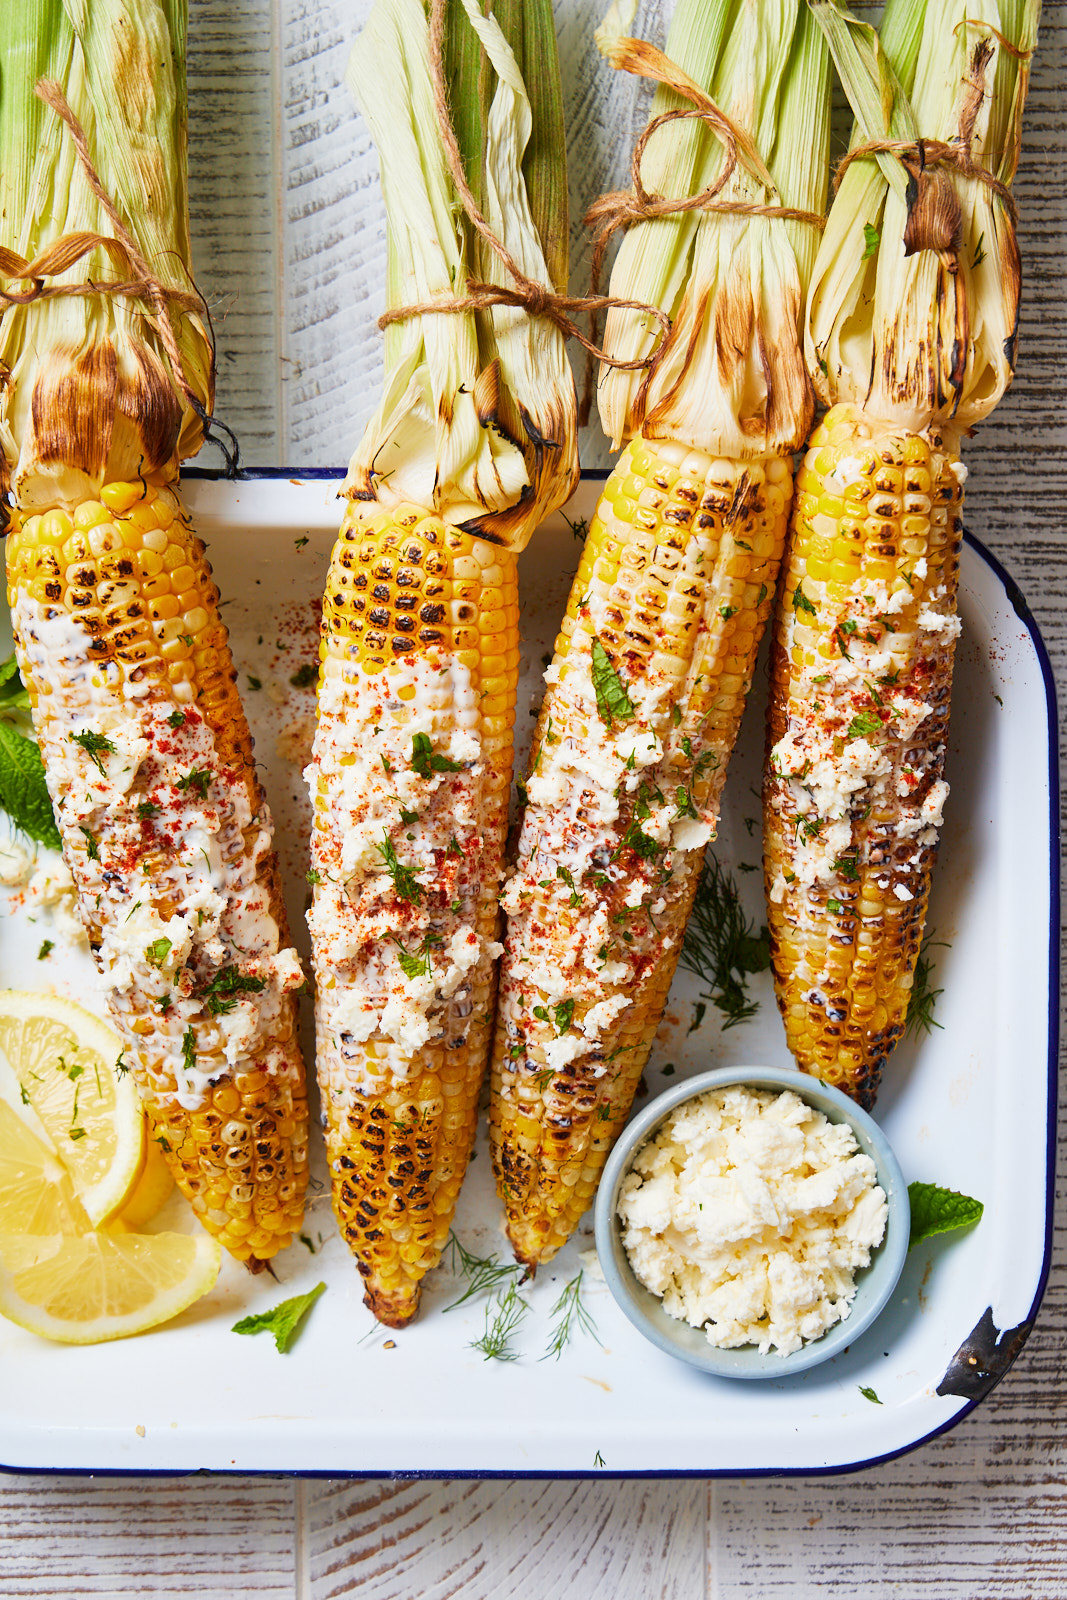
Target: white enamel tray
[{"x": 971, "y": 1106}]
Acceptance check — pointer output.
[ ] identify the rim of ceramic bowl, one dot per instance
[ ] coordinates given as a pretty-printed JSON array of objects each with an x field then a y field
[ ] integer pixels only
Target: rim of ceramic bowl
[{"x": 875, "y": 1283}]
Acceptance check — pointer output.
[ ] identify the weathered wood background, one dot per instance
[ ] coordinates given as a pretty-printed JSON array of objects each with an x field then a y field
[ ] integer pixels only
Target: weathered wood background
[{"x": 289, "y": 245}]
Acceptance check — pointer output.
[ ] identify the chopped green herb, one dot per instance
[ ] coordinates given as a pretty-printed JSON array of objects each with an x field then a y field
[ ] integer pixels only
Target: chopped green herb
[
  {"x": 199, "y": 779},
  {"x": 254, "y": 683},
  {"x": 425, "y": 760},
  {"x": 571, "y": 1316},
  {"x": 224, "y": 987},
  {"x": 801, "y": 603},
  {"x": 762, "y": 594},
  {"x": 598, "y": 1460},
  {"x": 502, "y": 1318},
  {"x": 869, "y": 1394},
  {"x": 47, "y": 946},
  {"x": 937, "y": 1210},
  {"x": 177, "y": 719},
  {"x": 722, "y": 946},
  {"x": 454, "y": 847},
  {"x": 120, "y": 1065},
  {"x": 305, "y": 675},
  {"x": 579, "y": 528},
  {"x": 157, "y": 952},
  {"x": 484, "y": 1274},
  {"x": 94, "y": 745},
  {"x": 979, "y": 253},
  {"x": 92, "y": 847},
  {"x": 408, "y": 817},
  {"x": 189, "y": 1050},
  {"x": 405, "y": 882},
  {"x": 834, "y": 907},
  {"x": 564, "y": 875},
  {"x": 862, "y": 726},
  {"x": 612, "y": 701},
  {"x": 420, "y": 964},
  {"x": 314, "y": 876},
  {"x": 871, "y": 240},
  {"x": 848, "y": 867},
  {"x": 726, "y": 612},
  {"x": 147, "y": 809},
  {"x": 699, "y": 1012},
  {"x": 301, "y": 542},
  {"x": 684, "y": 802},
  {"x": 284, "y": 1321},
  {"x": 923, "y": 997}
]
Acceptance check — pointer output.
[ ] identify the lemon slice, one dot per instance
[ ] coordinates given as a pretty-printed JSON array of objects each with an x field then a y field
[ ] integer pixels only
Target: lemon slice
[
  {"x": 65, "y": 1060},
  {"x": 150, "y": 1191},
  {"x": 36, "y": 1196},
  {"x": 89, "y": 1287}
]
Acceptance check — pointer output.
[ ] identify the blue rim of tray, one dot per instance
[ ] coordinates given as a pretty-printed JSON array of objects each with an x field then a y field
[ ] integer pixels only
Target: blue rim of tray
[{"x": 1022, "y": 610}]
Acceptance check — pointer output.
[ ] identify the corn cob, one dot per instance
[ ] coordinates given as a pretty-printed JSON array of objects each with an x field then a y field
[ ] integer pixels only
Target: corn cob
[
  {"x": 861, "y": 674},
  {"x": 911, "y": 339},
  {"x": 410, "y": 780},
  {"x": 167, "y": 834},
  {"x": 411, "y": 771},
  {"x": 675, "y": 587},
  {"x": 646, "y": 691}
]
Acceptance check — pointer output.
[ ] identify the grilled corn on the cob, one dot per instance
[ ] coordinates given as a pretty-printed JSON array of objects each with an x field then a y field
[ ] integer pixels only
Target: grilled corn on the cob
[
  {"x": 473, "y": 443},
  {"x": 166, "y": 832},
  {"x": 861, "y": 673},
  {"x": 646, "y": 691},
  {"x": 911, "y": 333},
  {"x": 675, "y": 586},
  {"x": 106, "y": 379},
  {"x": 410, "y": 785}
]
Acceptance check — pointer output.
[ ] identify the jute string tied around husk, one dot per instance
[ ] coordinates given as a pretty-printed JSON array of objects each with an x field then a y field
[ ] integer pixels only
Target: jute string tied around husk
[
  {"x": 917, "y": 156},
  {"x": 623, "y": 208},
  {"x": 525, "y": 293},
  {"x": 139, "y": 281}
]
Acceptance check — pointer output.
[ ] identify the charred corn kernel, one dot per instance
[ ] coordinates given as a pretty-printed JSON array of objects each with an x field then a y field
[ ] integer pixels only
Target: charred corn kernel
[
  {"x": 853, "y": 789},
  {"x": 410, "y": 789},
  {"x": 645, "y": 694},
  {"x": 164, "y": 827}
]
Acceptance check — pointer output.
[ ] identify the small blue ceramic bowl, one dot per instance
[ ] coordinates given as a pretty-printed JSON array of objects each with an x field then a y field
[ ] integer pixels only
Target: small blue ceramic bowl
[{"x": 874, "y": 1284}]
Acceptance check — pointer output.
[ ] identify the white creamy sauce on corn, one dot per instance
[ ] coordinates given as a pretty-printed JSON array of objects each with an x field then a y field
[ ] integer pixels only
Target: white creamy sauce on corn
[
  {"x": 164, "y": 849},
  {"x": 395, "y": 863},
  {"x": 749, "y": 1214},
  {"x": 857, "y": 722}
]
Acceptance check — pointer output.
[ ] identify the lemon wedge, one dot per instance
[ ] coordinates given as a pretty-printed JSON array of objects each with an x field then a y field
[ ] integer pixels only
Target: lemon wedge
[
  {"x": 151, "y": 1190},
  {"x": 68, "y": 1281},
  {"x": 86, "y": 1288},
  {"x": 66, "y": 1061}
]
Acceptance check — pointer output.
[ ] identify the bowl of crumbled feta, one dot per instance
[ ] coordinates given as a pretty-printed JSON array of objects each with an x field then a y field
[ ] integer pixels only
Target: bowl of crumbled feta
[{"x": 752, "y": 1221}]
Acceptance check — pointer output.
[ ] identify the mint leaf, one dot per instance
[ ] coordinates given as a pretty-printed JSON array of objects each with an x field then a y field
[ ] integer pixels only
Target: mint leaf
[
  {"x": 284, "y": 1321},
  {"x": 936, "y": 1210},
  {"x": 13, "y": 693},
  {"x": 23, "y": 791},
  {"x": 612, "y": 701}
]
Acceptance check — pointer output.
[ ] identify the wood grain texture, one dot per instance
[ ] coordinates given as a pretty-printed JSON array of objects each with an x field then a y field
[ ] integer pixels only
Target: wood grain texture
[
  {"x": 174, "y": 1538},
  {"x": 555, "y": 1541},
  {"x": 289, "y": 246}
]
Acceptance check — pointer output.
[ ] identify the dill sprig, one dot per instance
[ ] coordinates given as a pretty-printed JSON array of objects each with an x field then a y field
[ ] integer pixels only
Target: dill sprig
[
  {"x": 923, "y": 998},
  {"x": 722, "y": 946},
  {"x": 484, "y": 1274},
  {"x": 571, "y": 1316},
  {"x": 502, "y": 1318}
]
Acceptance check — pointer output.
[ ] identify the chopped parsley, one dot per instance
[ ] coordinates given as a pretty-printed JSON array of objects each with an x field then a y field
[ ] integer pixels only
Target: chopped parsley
[
  {"x": 47, "y": 946},
  {"x": 314, "y": 877},
  {"x": 862, "y": 726},
  {"x": 176, "y": 719},
  {"x": 834, "y": 907},
  {"x": 94, "y": 745},
  {"x": 189, "y": 1050},
  {"x": 418, "y": 965},
  {"x": 426, "y": 761},
  {"x": 565, "y": 877},
  {"x": 92, "y": 846},
  {"x": 408, "y": 817},
  {"x": 147, "y": 810}
]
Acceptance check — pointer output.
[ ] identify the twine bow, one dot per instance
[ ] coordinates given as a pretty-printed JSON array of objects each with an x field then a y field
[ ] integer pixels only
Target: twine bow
[{"x": 138, "y": 280}]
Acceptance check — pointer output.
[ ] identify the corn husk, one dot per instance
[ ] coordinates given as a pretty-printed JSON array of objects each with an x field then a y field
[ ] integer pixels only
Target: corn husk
[
  {"x": 478, "y": 416},
  {"x": 87, "y": 392},
  {"x": 731, "y": 379},
  {"x": 913, "y": 311}
]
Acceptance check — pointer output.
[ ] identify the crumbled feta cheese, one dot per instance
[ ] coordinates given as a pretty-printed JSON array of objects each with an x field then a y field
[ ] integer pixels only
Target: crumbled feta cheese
[
  {"x": 902, "y": 893},
  {"x": 749, "y": 1213}
]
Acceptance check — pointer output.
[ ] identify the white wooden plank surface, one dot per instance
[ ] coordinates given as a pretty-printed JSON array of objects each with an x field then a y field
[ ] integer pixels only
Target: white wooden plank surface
[{"x": 289, "y": 248}]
